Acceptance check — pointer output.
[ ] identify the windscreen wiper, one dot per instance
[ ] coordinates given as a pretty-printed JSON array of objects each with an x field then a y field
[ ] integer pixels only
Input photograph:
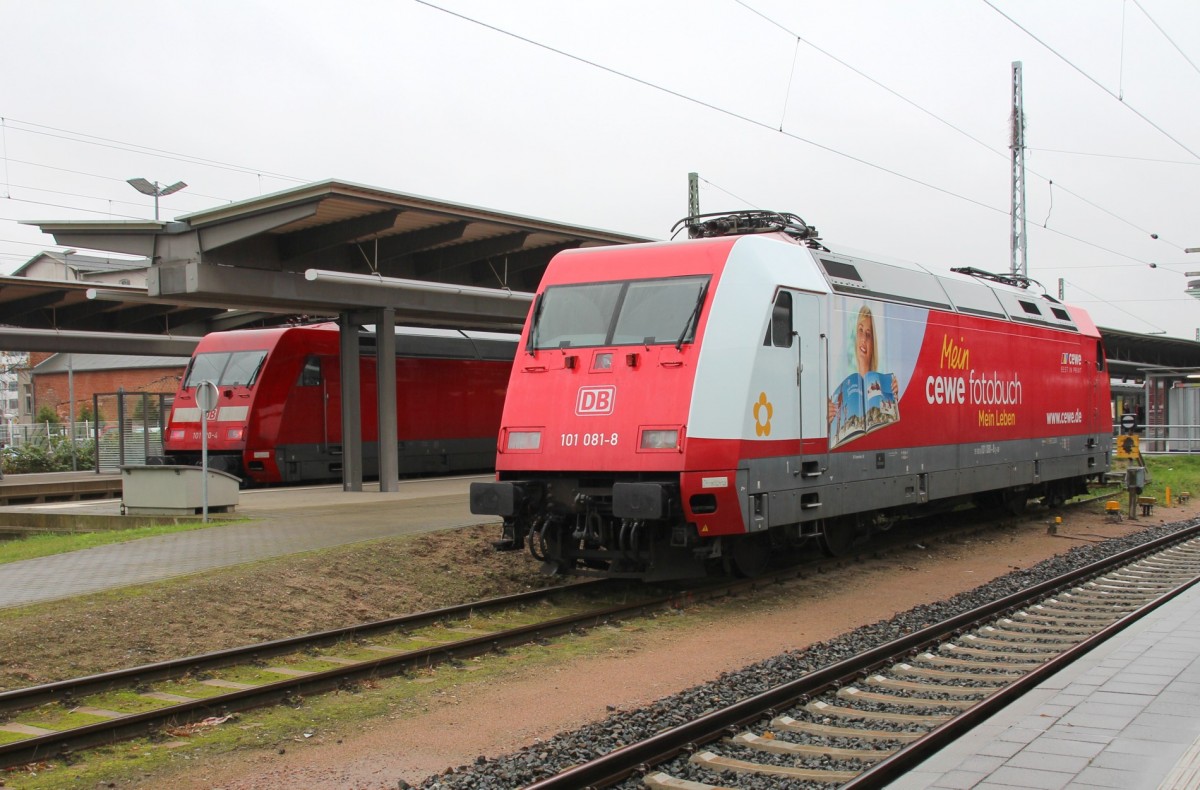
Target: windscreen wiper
[
  {"x": 531, "y": 342},
  {"x": 693, "y": 317}
]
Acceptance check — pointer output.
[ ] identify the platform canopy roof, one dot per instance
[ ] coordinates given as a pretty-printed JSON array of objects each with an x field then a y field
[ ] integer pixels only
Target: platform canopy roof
[
  {"x": 333, "y": 247},
  {"x": 327, "y": 248},
  {"x": 1132, "y": 353}
]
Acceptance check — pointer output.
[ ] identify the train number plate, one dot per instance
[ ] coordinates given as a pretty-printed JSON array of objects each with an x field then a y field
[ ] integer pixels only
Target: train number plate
[{"x": 589, "y": 439}]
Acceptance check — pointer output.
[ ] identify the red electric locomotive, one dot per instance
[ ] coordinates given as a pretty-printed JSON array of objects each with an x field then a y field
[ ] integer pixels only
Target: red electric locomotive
[
  {"x": 682, "y": 405},
  {"x": 278, "y": 419}
]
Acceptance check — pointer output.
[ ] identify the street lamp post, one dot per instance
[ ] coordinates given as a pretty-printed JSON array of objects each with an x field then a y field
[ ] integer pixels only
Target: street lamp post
[
  {"x": 147, "y": 188},
  {"x": 70, "y": 372}
]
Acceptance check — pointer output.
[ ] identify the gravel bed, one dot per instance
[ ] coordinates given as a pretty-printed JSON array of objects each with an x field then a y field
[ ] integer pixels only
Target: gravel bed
[
  {"x": 869, "y": 706},
  {"x": 812, "y": 717},
  {"x": 696, "y": 773},
  {"x": 544, "y": 759},
  {"x": 805, "y": 739}
]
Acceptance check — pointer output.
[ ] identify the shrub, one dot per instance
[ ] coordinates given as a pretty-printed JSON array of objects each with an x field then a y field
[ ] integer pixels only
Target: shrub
[
  {"x": 46, "y": 415},
  {"x": 53, "y": 457}
]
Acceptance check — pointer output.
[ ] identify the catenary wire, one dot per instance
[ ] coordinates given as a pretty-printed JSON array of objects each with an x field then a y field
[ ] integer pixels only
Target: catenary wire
[
  {"x": 1092, "y": 79},
  {"x": 709, "y": 105},
  {"x": 747, "y": 119},
  {"x": 1102, "y": 300},
  {"x": 118, "y": 145},
  {"x": 948, "y": 123},
  {"x": 1182, "y": 54},
  {"x": 189, "y": 193},
  {"x": 132, "y": 147},
  {"x": 78, "y": 195},
  {"x": 727, "y": 192},
  {"x": 709, "y": 182},
  {"x": 1114, "y": 156}
]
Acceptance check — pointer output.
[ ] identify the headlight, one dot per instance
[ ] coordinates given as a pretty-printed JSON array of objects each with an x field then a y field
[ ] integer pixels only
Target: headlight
[
  {"x": 660, "y": 439},
  {"x": 234, "y": 433},
  {"x": 524, "y": 440},
  {"x": 177, "y": 435}
]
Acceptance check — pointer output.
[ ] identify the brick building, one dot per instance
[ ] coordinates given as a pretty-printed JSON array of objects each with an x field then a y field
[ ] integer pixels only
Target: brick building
[
  {"x": 21, "y": 396},
  {"x": 98, "y": 373}
]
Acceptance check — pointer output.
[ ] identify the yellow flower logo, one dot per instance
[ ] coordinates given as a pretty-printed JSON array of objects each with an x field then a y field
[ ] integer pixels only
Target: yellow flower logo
[{"x": 762, "y": 424}]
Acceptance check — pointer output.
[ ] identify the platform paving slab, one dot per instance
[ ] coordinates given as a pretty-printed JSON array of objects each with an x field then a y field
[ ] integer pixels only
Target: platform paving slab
[
  {"x": 276, "y": 522},
  {"x": 1139, "y": 728}
]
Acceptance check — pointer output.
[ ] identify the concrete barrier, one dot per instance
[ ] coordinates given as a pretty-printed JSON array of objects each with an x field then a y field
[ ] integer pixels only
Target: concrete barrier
[{"x": 176, "y": 490}]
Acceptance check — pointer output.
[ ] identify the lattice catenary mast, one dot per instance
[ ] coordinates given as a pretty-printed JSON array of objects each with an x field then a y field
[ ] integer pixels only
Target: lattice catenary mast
[{"x": 1020, "y": 264}]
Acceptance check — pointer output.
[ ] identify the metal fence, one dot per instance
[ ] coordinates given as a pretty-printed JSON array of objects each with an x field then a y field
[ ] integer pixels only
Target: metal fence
[
  {"x": 133, "y": 432},
  {"x": 19, "y": 434},
  {"x": 127, "y": 429},
  {"x": 1170, "y": 439},
  {"x": 139, "y": 420}
]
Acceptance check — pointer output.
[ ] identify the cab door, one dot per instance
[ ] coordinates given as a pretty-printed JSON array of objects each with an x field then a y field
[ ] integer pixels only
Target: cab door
[
  {"x": 814, "y": 412},
  {"x": 796, "y": 326},
  {"x": 331, "y": 395}
]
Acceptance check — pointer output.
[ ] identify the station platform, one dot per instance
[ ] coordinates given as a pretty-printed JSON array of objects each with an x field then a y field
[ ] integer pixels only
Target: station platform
[
  {"x": 267, "y": 523},
  {"x": 1127, "y": 716}
]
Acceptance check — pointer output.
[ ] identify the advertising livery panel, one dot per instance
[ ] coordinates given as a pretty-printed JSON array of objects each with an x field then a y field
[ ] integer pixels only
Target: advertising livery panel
[{"x": 915, "y": 377}]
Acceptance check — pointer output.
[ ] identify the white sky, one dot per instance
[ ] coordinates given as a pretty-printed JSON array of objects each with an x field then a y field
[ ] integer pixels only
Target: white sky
[{"x": 245, "y": 97}]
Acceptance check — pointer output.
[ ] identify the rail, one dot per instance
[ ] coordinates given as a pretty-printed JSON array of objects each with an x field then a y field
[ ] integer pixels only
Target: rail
[
  {"x": 474, "y": 641},
  {"x": 642, "y": 757}
]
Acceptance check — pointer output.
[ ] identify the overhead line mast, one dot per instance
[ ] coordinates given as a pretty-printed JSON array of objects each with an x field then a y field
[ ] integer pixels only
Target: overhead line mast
[
  {"x": 693, "y": 196},
  {"x": 1020, "y": 263}
]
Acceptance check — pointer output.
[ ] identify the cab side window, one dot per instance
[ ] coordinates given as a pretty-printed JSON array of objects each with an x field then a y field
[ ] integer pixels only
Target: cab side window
[
  {"x": 779, "y": 331},
  {"x": 310, "y": 374}
]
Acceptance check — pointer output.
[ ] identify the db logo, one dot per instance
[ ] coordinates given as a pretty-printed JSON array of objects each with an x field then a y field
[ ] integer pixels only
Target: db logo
[{"x": 595, "y": 400}]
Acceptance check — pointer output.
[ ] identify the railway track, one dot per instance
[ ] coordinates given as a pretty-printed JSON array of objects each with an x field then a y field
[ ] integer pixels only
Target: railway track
[
  {"x": 867, "y": 719},
  {"x": 65, "y": 717},
  {"x": 55, "y": 719}
]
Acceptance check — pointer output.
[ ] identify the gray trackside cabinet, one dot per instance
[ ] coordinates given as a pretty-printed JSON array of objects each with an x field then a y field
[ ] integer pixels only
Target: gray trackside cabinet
[{"x": 176, "y": 490}]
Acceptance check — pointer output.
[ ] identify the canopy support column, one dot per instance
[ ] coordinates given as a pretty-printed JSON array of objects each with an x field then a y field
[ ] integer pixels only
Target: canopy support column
[
  {"x": 352, "y": 465},
  {"x": 385, "y": 390}
]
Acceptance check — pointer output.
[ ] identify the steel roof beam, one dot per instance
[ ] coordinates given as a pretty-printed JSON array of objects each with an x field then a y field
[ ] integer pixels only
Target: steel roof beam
[
  {"x": 315, "y": 240},
  {"x": 30, "y": 304},
  {"x": 96, "y": 342},
  {"x": 212, "y": 237},
  {"x": 236, "y": 319},
  {"x": 80, "y": 316},
  {"x": 439, "y": 261},
  {"x": 416, "y": 241},
  {"x": 132, "y": 319},
  {"x": 291, "y": 292},
  {"x": 521, "y": 271},
  {"x": 172, "y": 321}
]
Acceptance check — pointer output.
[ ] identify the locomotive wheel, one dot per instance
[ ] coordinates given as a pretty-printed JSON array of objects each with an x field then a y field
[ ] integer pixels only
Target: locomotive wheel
[
  {"x": 1055, "y": 496},
  {"x": 1007, "y": 500},
  {"x": 1013, "y": 501},
  {"x": 1063, "y": 490},
  {"x": 748, "y": 556},
  {"x": 837, "y": 538}
]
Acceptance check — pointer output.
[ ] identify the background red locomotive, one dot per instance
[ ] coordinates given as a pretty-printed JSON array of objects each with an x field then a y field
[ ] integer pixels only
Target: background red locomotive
[
  {"x": 278, "y": 419},
  {"x": 679, "y": 405}
]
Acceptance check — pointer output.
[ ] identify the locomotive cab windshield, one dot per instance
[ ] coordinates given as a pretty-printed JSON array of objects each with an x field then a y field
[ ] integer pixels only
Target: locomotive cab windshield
[
  {"x": 648, "y": 312},
  {"x": 225, "y": 369}
]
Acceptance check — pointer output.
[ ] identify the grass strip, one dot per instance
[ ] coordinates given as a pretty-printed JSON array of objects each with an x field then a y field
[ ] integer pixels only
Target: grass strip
[{"x": 34, "y": 546}]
